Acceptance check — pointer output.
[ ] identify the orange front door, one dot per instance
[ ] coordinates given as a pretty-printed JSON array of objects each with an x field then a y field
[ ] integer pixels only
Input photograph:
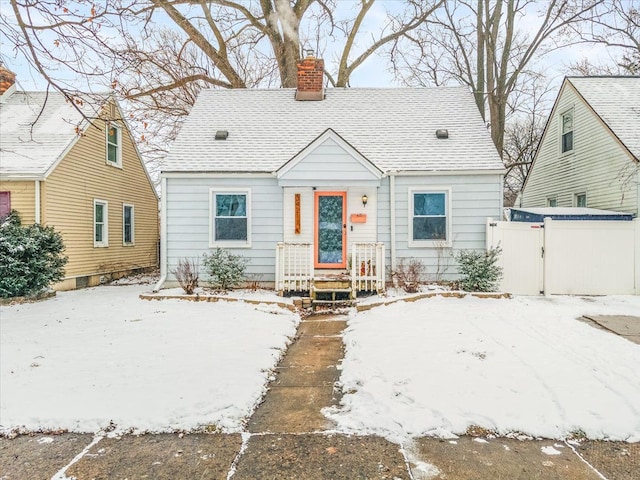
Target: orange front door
[{"x": 330, "y": 232}]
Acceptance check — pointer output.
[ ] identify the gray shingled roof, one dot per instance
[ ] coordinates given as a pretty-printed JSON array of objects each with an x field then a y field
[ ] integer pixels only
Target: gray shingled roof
[
  {"x": 617, "y": 101},
  {"x": 29, "y": 147},
  {"x": 393, "y": 128}
]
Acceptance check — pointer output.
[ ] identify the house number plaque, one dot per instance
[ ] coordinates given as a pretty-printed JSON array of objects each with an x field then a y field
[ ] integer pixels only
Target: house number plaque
[{"x": 297, "y": 214}]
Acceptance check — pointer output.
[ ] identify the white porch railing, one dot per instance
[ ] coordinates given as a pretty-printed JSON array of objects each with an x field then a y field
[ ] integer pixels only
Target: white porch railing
[
  {"x": 294, "y": 267},
  {"x": 367, "y": 267}
]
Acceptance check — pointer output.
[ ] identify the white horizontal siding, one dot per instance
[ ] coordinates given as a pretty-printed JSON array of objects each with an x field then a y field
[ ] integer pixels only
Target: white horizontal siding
[
  {"x": 188, "y": 222},
  {"x": 306, "y": 215},
  {"x": 328, "y": 164},
  {"x": 598, "y": 165}
]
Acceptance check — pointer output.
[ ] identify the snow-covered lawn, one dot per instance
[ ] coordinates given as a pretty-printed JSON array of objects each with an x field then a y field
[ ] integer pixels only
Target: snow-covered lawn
[
  {"x": 90, "y": 357},
  {"x": 525, "y": 365},
  {"x": 437, "y": 366}
]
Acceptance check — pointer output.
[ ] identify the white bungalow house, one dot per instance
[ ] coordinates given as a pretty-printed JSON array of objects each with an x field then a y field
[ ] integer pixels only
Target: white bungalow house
[
  {"x": 589, "y": 155},
  {"x": 309, "y": 183}
]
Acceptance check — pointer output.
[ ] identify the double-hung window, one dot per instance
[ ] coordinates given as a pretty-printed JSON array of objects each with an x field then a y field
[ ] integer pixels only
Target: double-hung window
[
  {"x": 566, "y": 121},
  {"x": 114, "y": 144},
  {"x": 429, "y": 217},
  {"x": 552, "y": 202},
  {"x": 127, "y": 225},
  {"x": 100, "y": 223},
  {"x": 580, "y": 199},
  {"x": 230, "y": 218}
]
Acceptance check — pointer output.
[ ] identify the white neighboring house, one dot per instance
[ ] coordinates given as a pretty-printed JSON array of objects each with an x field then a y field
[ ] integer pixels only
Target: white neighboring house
[
  {"x": 589, "y": 155},
  {"x": 339, "y": 182}
]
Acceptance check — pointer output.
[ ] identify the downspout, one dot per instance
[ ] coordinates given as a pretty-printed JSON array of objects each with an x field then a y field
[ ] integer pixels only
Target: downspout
[
  {"x": 37, "y": 200},
  {"x": 392, "y": 217},
  {"x": 163, "y": 235}
]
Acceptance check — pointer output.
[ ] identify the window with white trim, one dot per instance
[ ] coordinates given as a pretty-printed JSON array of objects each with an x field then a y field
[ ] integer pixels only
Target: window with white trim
[
  {"x": 552, "y": 202},
  {"x": 429, "y": 217},
  {"x": 127, "y": 225},
  {"x": 230, "y": 217},
  {"x": 580, "y": 199},
  {"x": 114, "y": 144},
  {"x": 100, "y": 223},
  {"x": 566, "y": 124}
]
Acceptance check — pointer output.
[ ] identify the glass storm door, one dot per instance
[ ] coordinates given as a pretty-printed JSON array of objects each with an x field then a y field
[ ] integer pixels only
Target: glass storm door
[{"x": 330, "y": 229}]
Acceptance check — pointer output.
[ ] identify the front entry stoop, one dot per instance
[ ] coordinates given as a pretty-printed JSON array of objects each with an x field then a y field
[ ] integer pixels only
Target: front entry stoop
[
  {"x": 332, "y": 292},
  {"x": 304, "y": 381}
]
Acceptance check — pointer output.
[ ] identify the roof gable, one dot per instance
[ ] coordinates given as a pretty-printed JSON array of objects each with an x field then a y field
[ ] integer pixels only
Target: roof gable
[
  {"x": 37, "y": 130},
  {"x": 619, "y": 108},
  {"x": 393, "y": 128},
  {"x": 616, "y": 101},
  {"x": 329, "y": 158}
]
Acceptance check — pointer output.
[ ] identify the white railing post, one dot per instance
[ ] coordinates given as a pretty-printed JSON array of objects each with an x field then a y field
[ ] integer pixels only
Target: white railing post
[
  {"x": 380, "y": 273},
  {"x": 278, "y": 279},
  {"x": 354, "y": 261}
]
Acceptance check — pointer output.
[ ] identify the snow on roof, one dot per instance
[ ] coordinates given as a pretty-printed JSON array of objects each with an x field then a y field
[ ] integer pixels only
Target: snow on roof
[
  {"x": 617, "y": 101},
  {"x": 36, "y": 129},
  {"x": 395, "y": 129}
]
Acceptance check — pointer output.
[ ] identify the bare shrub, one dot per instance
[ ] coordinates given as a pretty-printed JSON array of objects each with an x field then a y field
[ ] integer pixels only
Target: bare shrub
[
  {"x": 186, "y": 273},
  {"x": 408, "y": 274}
]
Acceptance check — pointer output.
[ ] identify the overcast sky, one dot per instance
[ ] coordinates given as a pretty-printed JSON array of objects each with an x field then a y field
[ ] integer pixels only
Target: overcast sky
[{"x": 372, "y": 73}]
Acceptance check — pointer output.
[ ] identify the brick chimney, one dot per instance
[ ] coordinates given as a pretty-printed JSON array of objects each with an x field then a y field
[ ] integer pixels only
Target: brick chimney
[
  {"x": 7, "y": 79},
  {"x": 310, "y": 78}
]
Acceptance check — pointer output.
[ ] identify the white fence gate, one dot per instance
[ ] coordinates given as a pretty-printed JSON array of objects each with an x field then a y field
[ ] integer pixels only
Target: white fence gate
[{"x": 568, "y": 257}]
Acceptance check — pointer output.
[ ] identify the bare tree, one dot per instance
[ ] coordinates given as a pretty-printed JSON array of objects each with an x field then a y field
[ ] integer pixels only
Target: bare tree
[
  {"x": 522, "y": 136},
  {"x": 491, "y": 46},
  {"x": 616, "y": 25},
  {"x": 160, "y": 53}
]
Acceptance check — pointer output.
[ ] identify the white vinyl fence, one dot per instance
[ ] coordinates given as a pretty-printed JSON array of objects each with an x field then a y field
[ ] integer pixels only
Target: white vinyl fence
[{"x": 568, "y": 257}]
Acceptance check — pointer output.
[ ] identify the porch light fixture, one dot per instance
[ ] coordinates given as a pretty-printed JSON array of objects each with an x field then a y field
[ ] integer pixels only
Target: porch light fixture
[
  {"x": 442, "y": 133},
  {"x": 222, "y": 134},
  {"x": 365, "y": 199}
]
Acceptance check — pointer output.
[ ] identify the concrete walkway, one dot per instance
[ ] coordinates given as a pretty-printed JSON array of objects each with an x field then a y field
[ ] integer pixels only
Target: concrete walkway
[
  {"x": 627, "y": 326},
  {"x": 289, "y": 438}
]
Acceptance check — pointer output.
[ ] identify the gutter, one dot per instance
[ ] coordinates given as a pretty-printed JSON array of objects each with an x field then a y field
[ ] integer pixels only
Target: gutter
[{"x": 163, "y": 235}]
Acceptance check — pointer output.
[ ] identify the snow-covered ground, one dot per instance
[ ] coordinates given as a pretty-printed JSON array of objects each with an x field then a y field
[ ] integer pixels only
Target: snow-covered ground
[
  {"x": 436, "y": 366},
  {"x": 525, "y": 365},
  {"x": 90, "y": 357}
]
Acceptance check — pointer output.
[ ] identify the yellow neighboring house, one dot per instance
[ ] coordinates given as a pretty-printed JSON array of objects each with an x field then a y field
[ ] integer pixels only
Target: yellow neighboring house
[{"x": 84, "y": 178}]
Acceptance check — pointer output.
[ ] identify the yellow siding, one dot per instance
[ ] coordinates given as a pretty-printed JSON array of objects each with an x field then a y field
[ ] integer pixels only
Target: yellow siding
[
  {"x": 84, "y": 175},
  {"x": 22, "y": 198}
]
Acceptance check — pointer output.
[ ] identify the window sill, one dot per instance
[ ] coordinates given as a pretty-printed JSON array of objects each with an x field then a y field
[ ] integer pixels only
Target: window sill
[
  {"x": 114, "y": 165},
  {"x": 100, "y": 245},
  {"x": 129, "y": 244},
  {"x": 229, "y": 244},
  {"x": 430, "y": 244}
]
